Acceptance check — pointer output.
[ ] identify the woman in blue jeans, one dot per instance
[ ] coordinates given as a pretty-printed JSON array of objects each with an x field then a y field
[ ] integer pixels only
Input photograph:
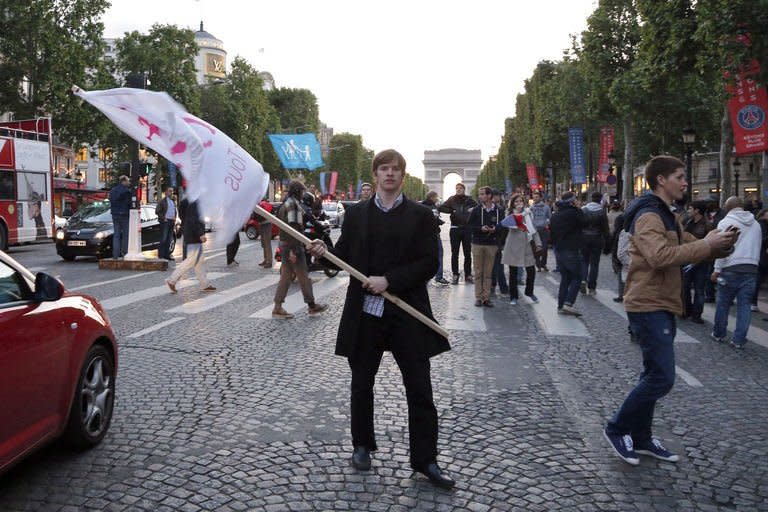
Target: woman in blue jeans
[{"x": 652, "y": 299}]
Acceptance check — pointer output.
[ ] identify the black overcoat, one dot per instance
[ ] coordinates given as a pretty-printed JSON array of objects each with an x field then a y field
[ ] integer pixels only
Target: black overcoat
[{"x": 408, "y": 279}]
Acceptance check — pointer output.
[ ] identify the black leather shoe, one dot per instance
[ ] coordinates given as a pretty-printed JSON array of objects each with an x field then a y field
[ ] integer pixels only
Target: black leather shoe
[
  {"x": 436, "y": 476},
  {"x": 361, "y": 458}
]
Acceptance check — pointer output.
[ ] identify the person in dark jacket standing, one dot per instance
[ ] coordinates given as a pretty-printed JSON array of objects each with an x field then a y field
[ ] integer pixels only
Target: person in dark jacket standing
[
  {"x": 194, "y": 238},
  {"x": 695, "y": 275},
  {"x": 566, "y": 227},
  {"x": 120, "y": 206},
  {"x": 393, "y": 241},
  {"x": 483, "y": 221},
  {"x": 596, "y": 239},
  {"x": 431, "y": 202},
  {"x": 458, "y": 206},
  {"x": 541, "y": 213}
]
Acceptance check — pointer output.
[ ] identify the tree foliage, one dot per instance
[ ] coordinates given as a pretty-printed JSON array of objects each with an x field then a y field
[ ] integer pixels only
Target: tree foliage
[{"x": 47, "y": 46}]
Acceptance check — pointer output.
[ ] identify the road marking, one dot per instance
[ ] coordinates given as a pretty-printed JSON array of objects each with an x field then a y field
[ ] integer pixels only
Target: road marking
[
  {"x": 219, "y": 298},
  {"x": 156, "y": 327},
  {"x": 754, "y": 334},
  {"x": 155, "y": 291},
  {"x": 295, "y": 301},
  {"x": 553, "y": 323},
  {"x": 110, "y": 281},
  {"x": 462, "y": 314},
  {"x": 688, "y": 378}
]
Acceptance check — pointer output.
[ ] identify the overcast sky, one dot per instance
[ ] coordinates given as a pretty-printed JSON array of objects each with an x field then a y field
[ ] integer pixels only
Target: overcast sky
[{"x": 413, "y": 75}]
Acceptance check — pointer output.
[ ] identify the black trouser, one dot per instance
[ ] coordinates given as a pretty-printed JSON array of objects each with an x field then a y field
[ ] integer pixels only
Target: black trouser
[
  {"x": 232, "y": 248},
  {"x": 541, "y": 256},
  {"x": 461, "y": 236},
  {"x": 394, "y": 332},
  {"x": 530, "y": 275}
]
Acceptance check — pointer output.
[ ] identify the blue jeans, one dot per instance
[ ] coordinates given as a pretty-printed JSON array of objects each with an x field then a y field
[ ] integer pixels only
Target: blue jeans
[
  {"x": 569, "y": 263},
  {"x": 695, "y": 280},
  {"x": 166, "y": 232},
  {"x": 498, "y": 275},
  {"x": 741, "y": 287},
  {"x": 593, "y": 247},
  {"x": 655, "y": 332},
  {"x": 120, "y": 236}
]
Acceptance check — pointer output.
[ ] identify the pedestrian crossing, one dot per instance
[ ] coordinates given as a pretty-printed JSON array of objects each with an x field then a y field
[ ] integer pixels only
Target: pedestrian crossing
[
  {"x": 294, "y": 302},
  {"x": 462, "y": 315},
  {"x": 754, "y": 335},
  {"x": 153, "y": 292}
]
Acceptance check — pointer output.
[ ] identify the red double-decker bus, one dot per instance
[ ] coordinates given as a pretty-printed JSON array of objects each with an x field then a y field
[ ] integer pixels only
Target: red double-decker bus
[{"x": 26, "y": 182}]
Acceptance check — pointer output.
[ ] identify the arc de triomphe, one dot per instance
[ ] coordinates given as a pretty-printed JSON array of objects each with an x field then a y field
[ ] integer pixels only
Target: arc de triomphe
[{"x": 438, "y": 164}]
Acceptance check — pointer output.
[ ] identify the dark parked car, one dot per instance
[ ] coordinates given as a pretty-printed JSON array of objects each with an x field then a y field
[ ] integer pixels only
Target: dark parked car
[
  {"x": 89, "y": 232},
  {"x": 58, "y": 362}
]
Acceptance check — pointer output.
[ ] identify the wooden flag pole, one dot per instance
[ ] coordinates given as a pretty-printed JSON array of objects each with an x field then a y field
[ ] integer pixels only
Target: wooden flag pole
[{"x": 394, "y": 299}]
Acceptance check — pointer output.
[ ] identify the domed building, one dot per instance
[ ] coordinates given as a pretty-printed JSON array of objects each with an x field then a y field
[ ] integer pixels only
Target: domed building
[{"x": 211, "y": 61}]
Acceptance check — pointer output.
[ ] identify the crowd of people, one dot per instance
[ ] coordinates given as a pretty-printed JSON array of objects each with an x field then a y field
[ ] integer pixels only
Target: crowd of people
[{"x": 669, "y": 256}]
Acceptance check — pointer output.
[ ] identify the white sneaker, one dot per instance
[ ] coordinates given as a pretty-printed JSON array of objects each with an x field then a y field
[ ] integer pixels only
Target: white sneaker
[
  {"x": 754, "y": 308},
  {"x": 570, "y": 310}
]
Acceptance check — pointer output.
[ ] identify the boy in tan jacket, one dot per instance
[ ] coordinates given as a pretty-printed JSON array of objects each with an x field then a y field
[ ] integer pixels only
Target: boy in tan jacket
[{"x": 652, "y": 299}]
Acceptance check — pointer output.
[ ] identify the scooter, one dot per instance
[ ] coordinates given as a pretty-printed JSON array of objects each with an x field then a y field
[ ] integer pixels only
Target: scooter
[{"x": 316, "y": 230}]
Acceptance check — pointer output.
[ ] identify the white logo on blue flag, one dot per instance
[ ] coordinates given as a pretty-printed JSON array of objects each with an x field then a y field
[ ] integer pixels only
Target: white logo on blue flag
[{"x": 297, "y": 151}]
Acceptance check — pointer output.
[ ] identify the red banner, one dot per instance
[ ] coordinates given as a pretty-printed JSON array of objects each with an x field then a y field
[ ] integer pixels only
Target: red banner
[
  {"x": 606, "y": 147},
  {"x": 533, "y": 177},
  {"x": 332, "y": 185},
  {"x": 747, "y": 108}
]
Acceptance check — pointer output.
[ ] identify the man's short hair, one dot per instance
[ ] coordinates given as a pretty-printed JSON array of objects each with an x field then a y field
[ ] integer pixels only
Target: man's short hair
[
  {"x": 537, "y": 193},
  {"x": 567, "y": 196},
  {"x": 123, "y": 178},
  {"x": 388, "y": 155},
  {"x": 733, "y": 202},
  {"x": 597, "y": 197},
  {"x": 487, "y": 191},
  {"x": 461, "y": 185},
  {"x": 663, "y": 165},
  {"x": 366, "y": 184},
  {"x": 432, "y": 193},
  {"x": 700, "y": 206},
  {"x": 296, "y": 188}
]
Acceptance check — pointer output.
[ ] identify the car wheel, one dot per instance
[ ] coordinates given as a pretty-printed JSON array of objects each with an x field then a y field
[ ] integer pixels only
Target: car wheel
[
  {"x": 67, "y": 257},
  {"x": 252, "y": 233},
  {"x": 91, "y": 411}
]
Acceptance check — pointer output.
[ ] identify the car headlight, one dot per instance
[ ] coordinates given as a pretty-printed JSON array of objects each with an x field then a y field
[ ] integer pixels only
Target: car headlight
[
  {"x": 59, "y": 234},
  {"x": 101, "y": 234}
]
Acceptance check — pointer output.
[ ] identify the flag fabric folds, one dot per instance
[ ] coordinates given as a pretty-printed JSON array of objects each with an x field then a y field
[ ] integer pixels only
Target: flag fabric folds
[
  {"x": 226, "y": 181},
  {"x": 297, "y": 150}
]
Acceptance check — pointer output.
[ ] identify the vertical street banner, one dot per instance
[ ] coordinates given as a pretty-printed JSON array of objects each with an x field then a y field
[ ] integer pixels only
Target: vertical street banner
[
  {"x": 323, "y": 188},
  {"x": 172, "y": 174},
  {"x": 297, "y": 150},
  {"x": 576, "y": 144},
  {"x": 334, "y": 180},
  {"x": 533, "y": 177},
  {"x": 606, "y": 147},
  {"x": 747, "y": 108},
  {"x": 508, "y": 185}
]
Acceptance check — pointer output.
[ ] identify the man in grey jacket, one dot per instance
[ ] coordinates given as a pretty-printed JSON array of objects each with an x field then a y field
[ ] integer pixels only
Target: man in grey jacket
[{"x": 596, "y": 235}]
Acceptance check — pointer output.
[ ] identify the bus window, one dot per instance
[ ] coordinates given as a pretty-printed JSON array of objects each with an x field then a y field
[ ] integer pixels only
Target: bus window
[{"x": 7, "y": 192}]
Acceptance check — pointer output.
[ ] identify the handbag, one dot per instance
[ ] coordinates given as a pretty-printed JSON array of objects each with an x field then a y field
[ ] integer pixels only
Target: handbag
[{"x": 537, "y": 250}]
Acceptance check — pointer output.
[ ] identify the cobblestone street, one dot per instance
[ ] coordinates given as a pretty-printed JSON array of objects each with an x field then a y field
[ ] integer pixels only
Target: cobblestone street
[{"x": 219, "y": 408}]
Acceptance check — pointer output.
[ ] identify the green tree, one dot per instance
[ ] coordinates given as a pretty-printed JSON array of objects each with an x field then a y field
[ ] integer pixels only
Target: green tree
[
  {"x": 296, "y": 108},
  {"x": 346, "y": 155},
  {"x": 166, "y": 55},
  {"x": 47, "y": 46}
]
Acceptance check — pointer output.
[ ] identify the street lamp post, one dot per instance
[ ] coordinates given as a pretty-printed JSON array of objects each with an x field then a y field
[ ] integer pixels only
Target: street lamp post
[
  {"x": 79, "y": 180},
  {"x": 736, "y": 175},
  {"x": 689, "y": 139}
]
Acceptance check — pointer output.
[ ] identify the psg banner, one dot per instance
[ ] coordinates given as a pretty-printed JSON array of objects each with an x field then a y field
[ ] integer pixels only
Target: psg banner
[
  {"x": 747, "y": 108},
  {"x": 297, "y": 150},
  {"x": 533, "y": 177},
  {"x": 576, "y": 143},
  {"x": 606, "y": 147}
]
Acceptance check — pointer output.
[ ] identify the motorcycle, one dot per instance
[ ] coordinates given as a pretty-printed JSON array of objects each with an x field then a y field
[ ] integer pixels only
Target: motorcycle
[{"x": 316, "y": 230}]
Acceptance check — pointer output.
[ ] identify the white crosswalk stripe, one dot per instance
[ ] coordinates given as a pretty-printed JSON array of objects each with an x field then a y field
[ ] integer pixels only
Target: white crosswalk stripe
[
  {"x": 155, "y": 327},
  {"x": 754, "y": 335},
  {"x": 294, "y": 302},
  {"x": 153, "y": 292},
  {"x": 221, "y": 297},
  {"x": 553, "y": 323},
  {"x": 462, "y": 315}
]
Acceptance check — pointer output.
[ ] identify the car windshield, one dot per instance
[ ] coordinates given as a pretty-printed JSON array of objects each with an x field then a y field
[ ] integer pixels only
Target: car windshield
[{"x": 93, "y": 213}]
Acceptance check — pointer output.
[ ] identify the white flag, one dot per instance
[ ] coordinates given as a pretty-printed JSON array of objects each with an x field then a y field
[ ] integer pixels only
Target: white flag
[{"x": 225, "y": 180}]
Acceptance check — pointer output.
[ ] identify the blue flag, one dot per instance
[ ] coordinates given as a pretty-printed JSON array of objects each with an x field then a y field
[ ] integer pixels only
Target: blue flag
[
  {"x": 576, "y": 142},
  {"x": 297, "y": 150}
]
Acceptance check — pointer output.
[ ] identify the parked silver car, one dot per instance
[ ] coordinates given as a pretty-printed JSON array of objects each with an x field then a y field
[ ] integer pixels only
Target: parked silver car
[{"x": 335, "y": 212}]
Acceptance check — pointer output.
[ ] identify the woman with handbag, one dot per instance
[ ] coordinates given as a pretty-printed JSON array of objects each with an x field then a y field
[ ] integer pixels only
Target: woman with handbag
[{"x": 520, "y": 247}]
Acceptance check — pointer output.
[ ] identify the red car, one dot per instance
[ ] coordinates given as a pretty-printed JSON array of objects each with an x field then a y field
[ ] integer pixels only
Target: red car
[
  {"x": 251, "y": 227},
  {"x": 58, "y": 362}
]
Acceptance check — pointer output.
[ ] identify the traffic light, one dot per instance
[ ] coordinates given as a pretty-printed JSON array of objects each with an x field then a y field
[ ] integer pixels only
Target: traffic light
[{"x": 147, "y": 168}]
